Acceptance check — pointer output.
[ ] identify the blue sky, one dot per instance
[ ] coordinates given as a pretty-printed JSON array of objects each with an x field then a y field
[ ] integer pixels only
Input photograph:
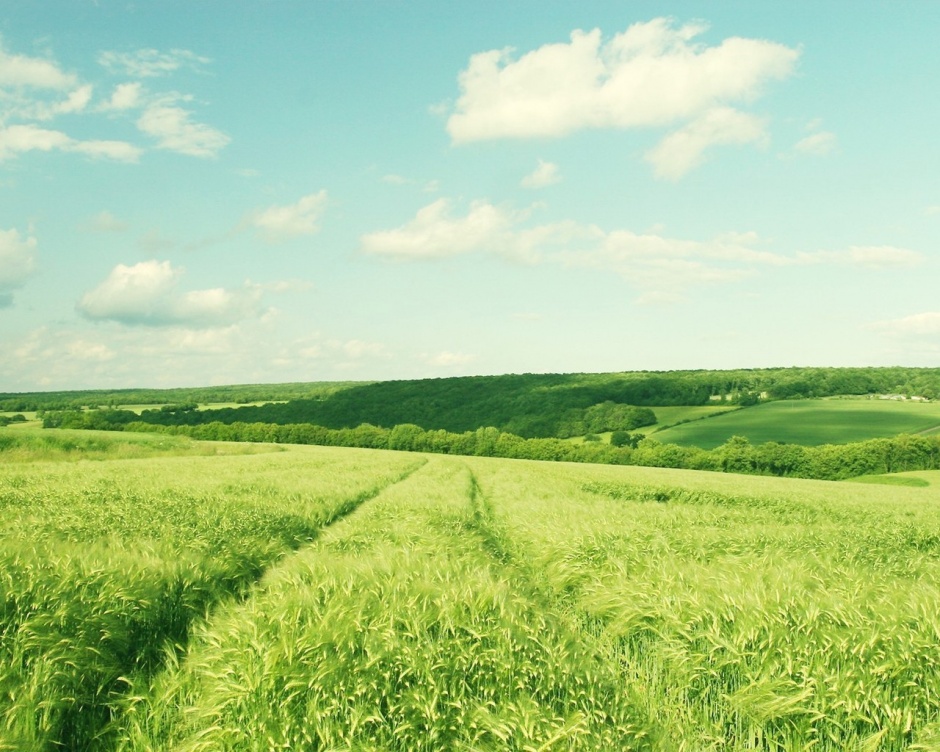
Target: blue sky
[{"x": 197, "y": 193}]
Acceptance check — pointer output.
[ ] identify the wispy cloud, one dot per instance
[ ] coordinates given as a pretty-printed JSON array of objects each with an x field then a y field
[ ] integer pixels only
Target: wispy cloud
[
  {"x": 17, "y": 263},
  {"x": 448, "y": 359},
  {"x": 280, "y": 223},
  {"x": 684, "y": 149},
  {"x": 659, "y": 267},
  {"x": 31, "y": 95},
  {"x": 148, "y": 294},
  {"x": 104, "y": 221},
  {"x": 544, "y": 175},
  {"x": 150, "y": 63},
  {"x": 869, "y": 257},
  {"x": 817, "y": 144},
  {"x": 918, "y": 324},
  {"x": 173, "y": 129}
]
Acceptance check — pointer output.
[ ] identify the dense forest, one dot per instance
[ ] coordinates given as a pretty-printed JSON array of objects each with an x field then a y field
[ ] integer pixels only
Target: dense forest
[{"x": 536, "y": 405}]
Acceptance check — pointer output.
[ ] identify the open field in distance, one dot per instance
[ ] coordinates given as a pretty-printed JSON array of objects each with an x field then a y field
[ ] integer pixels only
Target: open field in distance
[{"x": 809, "y": 422}]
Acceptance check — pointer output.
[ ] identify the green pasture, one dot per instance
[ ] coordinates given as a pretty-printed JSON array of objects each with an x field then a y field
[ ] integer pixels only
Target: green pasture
[
  {"x": 319, "y": 598},
  {"x": 669, "y": 416},
  {"x": 809, "y": 422}
]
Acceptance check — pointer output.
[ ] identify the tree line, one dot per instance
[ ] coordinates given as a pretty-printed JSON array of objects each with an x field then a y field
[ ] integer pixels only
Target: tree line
[{"x": 737, "y": 455}]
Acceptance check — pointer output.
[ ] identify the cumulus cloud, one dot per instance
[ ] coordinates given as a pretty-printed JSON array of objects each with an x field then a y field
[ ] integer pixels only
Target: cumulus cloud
[
  {"x": 170, "y": 125},
  {"x": 18, "y": 139},
  {"x": 653, "y": 74},
  {"x": 869, "y": 257},
  {"x": 682, "y": 150},
  {"x": 544, "y": 175},
  {"x": 17, "y": 263},
  {"x": 148, "y": 294},
  {"x": 919, "y": 324},
  {"x": 150, "y": 63},
  {"x": 280, "y": 223}
]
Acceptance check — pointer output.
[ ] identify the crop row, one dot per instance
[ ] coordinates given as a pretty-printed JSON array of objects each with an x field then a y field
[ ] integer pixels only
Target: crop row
[
  {"x": 105, "y": 567},
  {"x": 397, "y": 630},
  {"x": 748, "y": 621}
]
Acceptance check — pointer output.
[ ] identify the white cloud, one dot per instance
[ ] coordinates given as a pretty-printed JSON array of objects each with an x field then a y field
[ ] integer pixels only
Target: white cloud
[
  {"x": 23, "y": 71},
  {"x": 147, "y": 294},
  {"x": 544, "y": 175},
  {"x": 919, "y": 324},
  {"x": 447, "y": 359},
  {"x": 30, "y": 94},
  {"x": 659, "y": 267},
  {"x": 682, "y": 150},
  {"x": 653, "y": 74},
  {"x": 662, "y": 267},
  {"x": 434, "y": 232},
  {"x": 279, "y": 223},
  {"x": 932, "y": 211},
  {"x": 149, "y": 63},
  {"x": 126, "y": 96},
  {"x": 817, "y": 144},
  {"x": 18, "y": 139},
  {"x": 287, "y": 286},
  {"x": 870, "y": 257},
  {"x": 357, "y": 349},
  {"x": 651, "y": 263},
  {"x": 120, "y": 151},
  {"x": 75, "y": 102},
  {"x": 428, "y": 186},
  {"x": 173, "y": 130},
  {"x": 17, "y": 263}
]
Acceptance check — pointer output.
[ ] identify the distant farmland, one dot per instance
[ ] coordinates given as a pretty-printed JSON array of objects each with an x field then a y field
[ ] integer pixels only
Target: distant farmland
[{"x": 809, "y": 422}]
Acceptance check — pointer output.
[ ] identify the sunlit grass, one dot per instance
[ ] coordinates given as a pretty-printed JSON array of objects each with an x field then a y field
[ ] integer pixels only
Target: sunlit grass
[{"x": 322, "y": 598}]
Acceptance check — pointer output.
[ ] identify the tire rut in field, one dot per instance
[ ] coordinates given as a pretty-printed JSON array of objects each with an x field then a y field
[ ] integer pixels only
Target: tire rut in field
[
  {"x": 524, "y": 578},
  {"x": 96, "y": 736}
]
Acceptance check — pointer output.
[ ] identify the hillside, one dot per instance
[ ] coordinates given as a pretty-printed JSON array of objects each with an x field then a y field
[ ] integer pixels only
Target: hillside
[
  {"x": 809, "y": 423},
  {"x": 556, "y": 405}
]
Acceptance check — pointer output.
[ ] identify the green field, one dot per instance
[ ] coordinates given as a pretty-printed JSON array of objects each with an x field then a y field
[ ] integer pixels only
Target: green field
[
  {"x": 670, "y": 416},
  {"x": 809, "y": 422},
  {"x": 340, "y": 599}
]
